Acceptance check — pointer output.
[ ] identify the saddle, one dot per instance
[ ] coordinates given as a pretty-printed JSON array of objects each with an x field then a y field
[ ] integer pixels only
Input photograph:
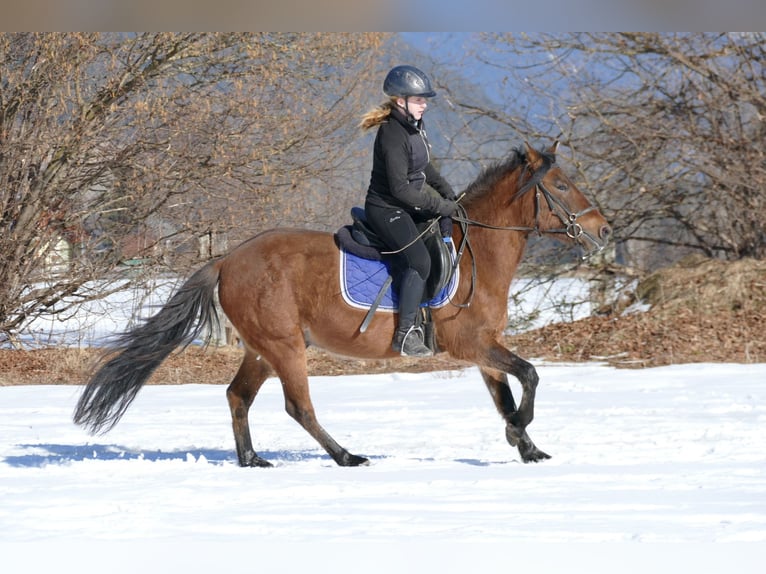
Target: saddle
[{"x": 360, "y": 240}]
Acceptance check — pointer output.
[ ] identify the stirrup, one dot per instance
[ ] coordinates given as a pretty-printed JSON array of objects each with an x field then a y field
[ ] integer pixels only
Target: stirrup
[{"x": 411, "y": 343}]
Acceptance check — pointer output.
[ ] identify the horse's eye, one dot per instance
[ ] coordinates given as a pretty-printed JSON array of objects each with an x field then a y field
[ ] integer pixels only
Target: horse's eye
[{"x": 561, "y": 186}]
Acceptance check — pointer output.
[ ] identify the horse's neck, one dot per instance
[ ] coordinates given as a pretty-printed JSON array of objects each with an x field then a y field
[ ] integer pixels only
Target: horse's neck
[
  {"x": 499, "y": 251},
  {"x": 503, "y": 209},
  {"x": 498, "y": 254}
]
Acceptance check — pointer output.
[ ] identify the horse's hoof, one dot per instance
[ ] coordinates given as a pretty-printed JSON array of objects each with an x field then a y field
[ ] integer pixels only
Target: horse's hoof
[
  {"x": 535, "y": 455},
  {"x": 349, "y": 459},
  {"x": 255, "y": 461},
  {"x": 520, "y": 439}
]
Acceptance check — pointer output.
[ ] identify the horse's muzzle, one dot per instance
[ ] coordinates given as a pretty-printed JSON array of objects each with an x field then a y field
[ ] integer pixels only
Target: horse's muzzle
[{"x": 592, "y": 244}]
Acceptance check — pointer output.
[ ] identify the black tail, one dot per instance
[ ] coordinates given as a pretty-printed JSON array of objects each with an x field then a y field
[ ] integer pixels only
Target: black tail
[{"x": 137, "y": 353}]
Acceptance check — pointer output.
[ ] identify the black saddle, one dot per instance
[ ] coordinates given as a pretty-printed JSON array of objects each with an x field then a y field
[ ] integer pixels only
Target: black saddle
[{"x": 359, "y": 239}]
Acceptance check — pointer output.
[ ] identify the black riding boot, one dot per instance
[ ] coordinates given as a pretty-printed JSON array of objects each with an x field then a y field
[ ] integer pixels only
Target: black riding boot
[{"x": 408, "y": 339}]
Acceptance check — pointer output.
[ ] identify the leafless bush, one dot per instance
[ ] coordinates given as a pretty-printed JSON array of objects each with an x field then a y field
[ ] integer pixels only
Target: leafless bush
[{"x": 118, "y": 152}]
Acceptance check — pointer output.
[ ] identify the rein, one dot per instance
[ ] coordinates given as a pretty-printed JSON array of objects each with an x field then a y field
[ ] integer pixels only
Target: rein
[
  {"x": 571, "y": 228},
  {"x": 429, "y": 228}
]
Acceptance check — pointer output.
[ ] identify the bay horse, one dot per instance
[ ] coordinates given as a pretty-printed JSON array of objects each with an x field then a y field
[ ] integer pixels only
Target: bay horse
[{"x": 280, "y": 290}]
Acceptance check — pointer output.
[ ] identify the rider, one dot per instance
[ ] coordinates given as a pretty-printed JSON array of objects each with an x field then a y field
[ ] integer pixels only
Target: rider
[{"x": 397, "y": 198}]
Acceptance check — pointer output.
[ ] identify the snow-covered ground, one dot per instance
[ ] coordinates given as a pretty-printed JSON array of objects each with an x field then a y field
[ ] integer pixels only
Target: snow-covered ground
[{"x": 660, "y": 469}]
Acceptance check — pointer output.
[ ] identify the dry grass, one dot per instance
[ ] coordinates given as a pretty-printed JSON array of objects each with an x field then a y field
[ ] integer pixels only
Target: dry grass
[{"x": 702, "y": 311}]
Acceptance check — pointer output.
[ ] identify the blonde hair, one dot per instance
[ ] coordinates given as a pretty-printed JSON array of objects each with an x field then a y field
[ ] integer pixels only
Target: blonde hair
[{"x": 378, "y": 115}]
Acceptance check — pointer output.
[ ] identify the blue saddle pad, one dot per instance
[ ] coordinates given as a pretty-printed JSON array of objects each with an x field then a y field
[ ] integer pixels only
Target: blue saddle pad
[{"x": 361, "y": 281}]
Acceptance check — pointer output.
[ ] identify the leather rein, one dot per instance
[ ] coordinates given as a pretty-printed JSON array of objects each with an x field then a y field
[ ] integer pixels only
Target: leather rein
[{"x": 571, "y": 228}]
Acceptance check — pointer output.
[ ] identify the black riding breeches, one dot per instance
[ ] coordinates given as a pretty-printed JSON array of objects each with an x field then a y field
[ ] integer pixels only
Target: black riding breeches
[{"x": 397, "y": 229}]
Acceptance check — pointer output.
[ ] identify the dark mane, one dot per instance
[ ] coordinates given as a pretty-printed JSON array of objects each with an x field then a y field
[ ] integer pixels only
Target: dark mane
[{"x": 492, "y": 174}]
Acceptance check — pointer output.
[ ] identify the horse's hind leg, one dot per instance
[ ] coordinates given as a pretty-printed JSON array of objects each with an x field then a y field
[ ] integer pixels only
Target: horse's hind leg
[
  {"x": 291, "y": 368},
  {"x": 516, "y": 419},
  {"x": 241, "y": 392}
]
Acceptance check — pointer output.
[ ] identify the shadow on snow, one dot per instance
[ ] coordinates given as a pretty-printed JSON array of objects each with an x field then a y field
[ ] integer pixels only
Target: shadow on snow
[{"x": 62, "y": 454}]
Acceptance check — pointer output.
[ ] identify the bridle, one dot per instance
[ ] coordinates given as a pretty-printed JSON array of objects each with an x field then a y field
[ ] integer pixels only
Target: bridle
[
  {"x": 570, "y": 227},
  {"x": 568, "y": 218}
]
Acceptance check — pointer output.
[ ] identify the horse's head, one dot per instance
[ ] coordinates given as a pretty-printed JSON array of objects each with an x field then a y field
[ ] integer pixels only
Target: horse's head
[{"x": 560, "y": 207}]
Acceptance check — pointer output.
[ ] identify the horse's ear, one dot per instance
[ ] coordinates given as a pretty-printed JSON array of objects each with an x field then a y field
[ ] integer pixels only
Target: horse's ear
[
  {"x": 534, "y": 159},
  {"x": 554, "y": 147}
]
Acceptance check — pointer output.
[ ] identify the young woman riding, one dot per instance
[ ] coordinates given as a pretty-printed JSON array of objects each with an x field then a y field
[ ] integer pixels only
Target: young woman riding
[{"x": 397, "y": 197}]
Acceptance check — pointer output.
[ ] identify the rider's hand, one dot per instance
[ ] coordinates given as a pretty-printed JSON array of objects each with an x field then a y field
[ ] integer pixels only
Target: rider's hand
[{"x": 447, "y": 207}]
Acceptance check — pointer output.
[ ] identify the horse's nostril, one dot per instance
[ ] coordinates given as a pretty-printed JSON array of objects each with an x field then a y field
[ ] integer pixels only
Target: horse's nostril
[{"x": 605, "y": 232}]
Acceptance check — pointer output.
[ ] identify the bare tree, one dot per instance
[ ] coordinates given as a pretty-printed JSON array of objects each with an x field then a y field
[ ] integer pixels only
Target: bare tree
[
  {"x": 129, "y": 147},
  {"x": 666, "y": 129}
]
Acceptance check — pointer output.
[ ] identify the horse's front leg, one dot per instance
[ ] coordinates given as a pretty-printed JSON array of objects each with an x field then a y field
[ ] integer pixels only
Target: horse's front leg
[{"x": 502, "y": 361}]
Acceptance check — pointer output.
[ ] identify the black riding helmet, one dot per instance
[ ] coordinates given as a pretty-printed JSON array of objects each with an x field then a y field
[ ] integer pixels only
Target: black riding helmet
[{"x": 406, "y": 81}]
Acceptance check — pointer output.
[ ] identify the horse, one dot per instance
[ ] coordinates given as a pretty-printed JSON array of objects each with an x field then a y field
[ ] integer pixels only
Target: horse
[{"x": 280, "y": 290}]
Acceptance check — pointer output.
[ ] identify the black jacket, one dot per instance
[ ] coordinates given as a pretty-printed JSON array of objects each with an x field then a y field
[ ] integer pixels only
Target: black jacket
[{"x": 401, "y": 165}]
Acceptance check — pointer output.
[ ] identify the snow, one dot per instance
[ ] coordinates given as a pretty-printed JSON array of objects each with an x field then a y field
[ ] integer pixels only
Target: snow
[
  {"x": 659, "y": 468},
  {"x": 94, "y": 322},
  {"x": 535, "y": 303}
]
